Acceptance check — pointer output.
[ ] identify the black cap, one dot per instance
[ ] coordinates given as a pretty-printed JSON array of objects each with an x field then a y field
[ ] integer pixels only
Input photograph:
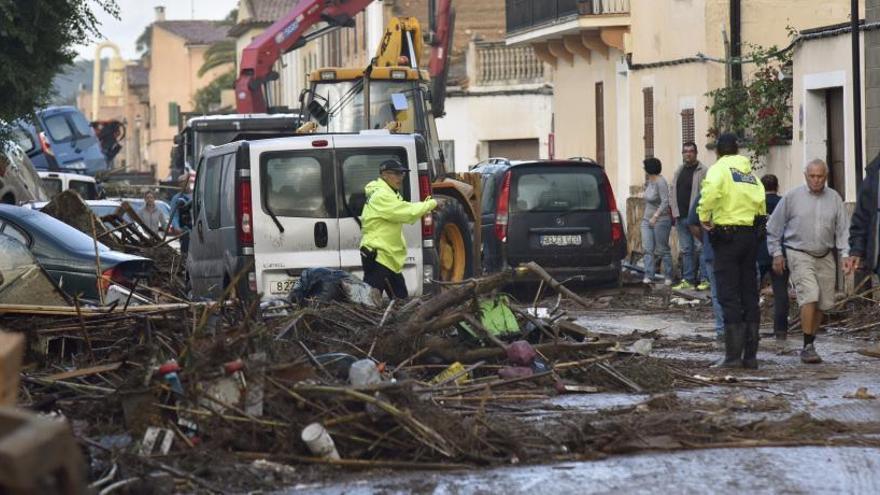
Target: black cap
[
  {"x": 727, "y": 141},
  {"x": 392, "y": 165}
]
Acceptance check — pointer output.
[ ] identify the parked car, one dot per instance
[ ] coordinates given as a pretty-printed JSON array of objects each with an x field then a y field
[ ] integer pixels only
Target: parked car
[
  {"x": 283, "y": 205},
  {"x": 18, "y": 179},
  {"x": 561, "y": 214},
  {"x": 61, "y": 140},
  {"x": 56, "y": 182},
  {"x": 22, "y": 281},
  {"x": 68, "y": 255}
]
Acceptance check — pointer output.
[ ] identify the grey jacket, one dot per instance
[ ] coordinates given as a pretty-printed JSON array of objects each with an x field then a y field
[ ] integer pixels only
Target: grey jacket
[{"x": 699, "y": 175}]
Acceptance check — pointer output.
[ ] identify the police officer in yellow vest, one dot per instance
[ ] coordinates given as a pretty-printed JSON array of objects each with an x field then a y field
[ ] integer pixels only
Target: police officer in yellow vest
[
  {"x": 383, "y": 248},
  {"x": 732, "y": 208}
]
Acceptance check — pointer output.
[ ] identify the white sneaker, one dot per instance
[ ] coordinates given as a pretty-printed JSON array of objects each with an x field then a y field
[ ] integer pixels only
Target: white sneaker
[{"x": 646, "y": 280}]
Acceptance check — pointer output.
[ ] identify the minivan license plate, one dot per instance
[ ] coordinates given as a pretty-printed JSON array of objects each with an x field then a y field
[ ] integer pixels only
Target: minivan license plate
[
  {"x": 560, "y": 240},
  {"x": 282, "y": 286}
]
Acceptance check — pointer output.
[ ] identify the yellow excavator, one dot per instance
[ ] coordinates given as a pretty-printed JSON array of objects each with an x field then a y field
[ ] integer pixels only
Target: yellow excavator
[{"x": 394, "y": 93}]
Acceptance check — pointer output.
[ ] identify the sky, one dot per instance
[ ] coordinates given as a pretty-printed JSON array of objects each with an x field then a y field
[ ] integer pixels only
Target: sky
[{"x": 135, "y": 15}]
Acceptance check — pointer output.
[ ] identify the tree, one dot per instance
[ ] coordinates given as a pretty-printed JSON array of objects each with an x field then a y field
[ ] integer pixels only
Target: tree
[
  {"x": 37, "y": 40},
  {"x": 207, "y": 99},
  {"x": 760, "y": 109},
  {"x": 217, "y": 55}
]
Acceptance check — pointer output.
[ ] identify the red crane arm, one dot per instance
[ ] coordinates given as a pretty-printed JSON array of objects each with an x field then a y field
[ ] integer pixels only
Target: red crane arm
[
  {"x": 284, "y": 35},
  {"x": 442, "y": 39}
]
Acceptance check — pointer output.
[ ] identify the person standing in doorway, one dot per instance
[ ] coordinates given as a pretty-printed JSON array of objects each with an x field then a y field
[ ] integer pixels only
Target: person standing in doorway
[
  {"x": 779, "y": 282},
  {"x": 383, "y": 247},
  {"x": 656, "y": 222},
  {"x": 683, "y": 194},
  {"x": 732, "y": 209},
  {"x": 808, "y": 225}
]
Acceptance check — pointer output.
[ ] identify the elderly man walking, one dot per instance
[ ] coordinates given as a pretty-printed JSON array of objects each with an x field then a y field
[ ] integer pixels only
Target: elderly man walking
[{"x": 804, "y": 231}]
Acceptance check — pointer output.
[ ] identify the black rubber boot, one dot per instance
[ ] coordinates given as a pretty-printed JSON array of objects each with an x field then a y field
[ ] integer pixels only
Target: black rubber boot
[
  {"x": 734, "y": 335},
  {"x": 750, "y": 349}
]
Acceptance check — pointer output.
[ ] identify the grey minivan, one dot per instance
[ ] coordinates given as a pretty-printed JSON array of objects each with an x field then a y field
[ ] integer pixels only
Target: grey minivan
[{"x": 561, "y": 214}]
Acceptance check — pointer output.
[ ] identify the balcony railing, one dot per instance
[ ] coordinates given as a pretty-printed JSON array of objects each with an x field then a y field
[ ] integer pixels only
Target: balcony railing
[
  {"x": 525, "y": 14},
  {"x": 496, "y": 64}
]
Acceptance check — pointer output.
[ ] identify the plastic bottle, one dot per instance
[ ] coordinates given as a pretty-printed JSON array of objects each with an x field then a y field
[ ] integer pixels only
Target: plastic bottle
[{"x": 364, "y": 373}]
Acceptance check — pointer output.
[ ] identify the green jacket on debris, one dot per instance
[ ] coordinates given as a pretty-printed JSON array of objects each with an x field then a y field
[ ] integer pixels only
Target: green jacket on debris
[{"x": 382, "y": 222}]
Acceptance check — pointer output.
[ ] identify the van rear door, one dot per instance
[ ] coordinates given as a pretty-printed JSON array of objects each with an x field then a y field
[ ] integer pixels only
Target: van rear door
[
  {"x": 358, "y": 160},
  {"x": 295, "y": 210},
  {"x": 559, "y": 216}
]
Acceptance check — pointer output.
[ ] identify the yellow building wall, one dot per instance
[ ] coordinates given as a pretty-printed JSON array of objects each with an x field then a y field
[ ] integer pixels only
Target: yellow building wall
[{"x": 173, "y": 78}]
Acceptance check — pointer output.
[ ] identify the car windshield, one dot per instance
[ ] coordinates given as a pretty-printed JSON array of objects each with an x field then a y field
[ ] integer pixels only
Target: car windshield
[
  {"x": 547, "y": 190},
  {"x": 345, "y": 104},
  {"x": 82, "y": 126},
  {"x": 86, "y": 190},
  {"x": 58, "y": 128},
  {"x": 66, "y": 235},
  {"x": 212, "y": 138}
]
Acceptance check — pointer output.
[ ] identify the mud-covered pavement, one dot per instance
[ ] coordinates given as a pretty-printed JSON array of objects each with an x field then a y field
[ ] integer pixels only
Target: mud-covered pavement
[{"x": 824, "y": 438}]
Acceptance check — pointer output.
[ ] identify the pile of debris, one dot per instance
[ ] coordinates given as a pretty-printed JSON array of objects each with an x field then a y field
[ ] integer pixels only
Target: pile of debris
[{"x": 428, "y": 383}]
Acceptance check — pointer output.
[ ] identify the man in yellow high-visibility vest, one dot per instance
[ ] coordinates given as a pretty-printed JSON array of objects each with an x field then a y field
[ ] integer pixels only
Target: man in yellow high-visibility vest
[
  {"x": 732, "y": 208},
  {"x": 383, "y": 247}
]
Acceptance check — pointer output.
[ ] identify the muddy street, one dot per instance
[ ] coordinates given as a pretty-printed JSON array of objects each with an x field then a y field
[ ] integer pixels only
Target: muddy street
[{"x": 827, "y": 419}]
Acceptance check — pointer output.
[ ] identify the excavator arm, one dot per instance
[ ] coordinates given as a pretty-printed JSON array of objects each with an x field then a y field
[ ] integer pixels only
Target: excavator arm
[{"x": 286, "y": 34}]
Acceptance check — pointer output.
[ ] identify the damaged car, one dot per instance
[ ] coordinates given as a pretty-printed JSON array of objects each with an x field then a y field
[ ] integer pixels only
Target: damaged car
[{"x": 69, "y": 256}]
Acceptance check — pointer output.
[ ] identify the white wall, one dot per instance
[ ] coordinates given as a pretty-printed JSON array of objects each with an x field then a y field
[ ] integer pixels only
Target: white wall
[{"x": 475, "y": 119}]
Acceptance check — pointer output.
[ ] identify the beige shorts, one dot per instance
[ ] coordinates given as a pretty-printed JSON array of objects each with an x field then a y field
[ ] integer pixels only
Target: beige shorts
[{"x": 813, "y": 278}]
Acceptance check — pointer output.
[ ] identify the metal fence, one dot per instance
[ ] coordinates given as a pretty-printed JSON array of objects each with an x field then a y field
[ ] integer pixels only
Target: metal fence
[{"x": 524, "y": 14}]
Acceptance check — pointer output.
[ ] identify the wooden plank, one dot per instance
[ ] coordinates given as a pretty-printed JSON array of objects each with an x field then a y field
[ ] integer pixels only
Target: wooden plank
[
  {"x": 11, "y": 352},
  {"x": 94, "y": 370}
]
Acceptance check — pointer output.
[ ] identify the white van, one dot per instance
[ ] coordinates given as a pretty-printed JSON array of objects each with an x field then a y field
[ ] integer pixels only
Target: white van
[
  {"x": 269, "y": 209},
  {"x": 56, "y": 182}
]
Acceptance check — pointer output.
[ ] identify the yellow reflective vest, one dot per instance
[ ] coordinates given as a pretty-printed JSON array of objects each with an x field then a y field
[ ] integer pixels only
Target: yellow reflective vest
[
  {"x": 731, "y": 193},
  {"x": 382, "y": 222}
]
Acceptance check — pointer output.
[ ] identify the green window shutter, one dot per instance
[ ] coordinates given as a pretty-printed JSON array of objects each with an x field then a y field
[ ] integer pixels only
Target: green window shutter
[{"x": 173, "y": 113}]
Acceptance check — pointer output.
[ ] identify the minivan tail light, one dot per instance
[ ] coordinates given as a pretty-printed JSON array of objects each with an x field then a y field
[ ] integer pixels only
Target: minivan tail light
[
  {"x": 427, "y": 220},
  {"x": 616, "y": 218},
  {"x": 44, "y": 144},
  {"x": 244, "y": 212},
  {"x": 502, "y": 209}
]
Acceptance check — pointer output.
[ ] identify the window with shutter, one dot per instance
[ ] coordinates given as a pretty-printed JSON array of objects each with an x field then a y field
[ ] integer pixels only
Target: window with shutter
[
  {"x": 648, "y": 94},
  {"x": 600, "y": 123},
  {"x": 687, "y": 126}
]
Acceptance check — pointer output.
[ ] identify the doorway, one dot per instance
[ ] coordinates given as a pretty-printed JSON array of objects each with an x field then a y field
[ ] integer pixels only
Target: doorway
[{"x": 835, "y": 140}]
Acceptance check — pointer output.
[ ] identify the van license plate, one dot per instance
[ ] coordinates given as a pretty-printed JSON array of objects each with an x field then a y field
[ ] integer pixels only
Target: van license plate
[
  {"x": 283, "y": 286},
  {"x": 560, "y": 240}
]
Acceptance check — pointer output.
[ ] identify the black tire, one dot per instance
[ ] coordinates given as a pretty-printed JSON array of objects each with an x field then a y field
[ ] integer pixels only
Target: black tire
[{"x": 450, "y": 211}]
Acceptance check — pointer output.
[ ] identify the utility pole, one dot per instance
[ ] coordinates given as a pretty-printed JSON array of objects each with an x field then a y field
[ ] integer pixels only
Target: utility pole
[{"x": 857, "y": 90}]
